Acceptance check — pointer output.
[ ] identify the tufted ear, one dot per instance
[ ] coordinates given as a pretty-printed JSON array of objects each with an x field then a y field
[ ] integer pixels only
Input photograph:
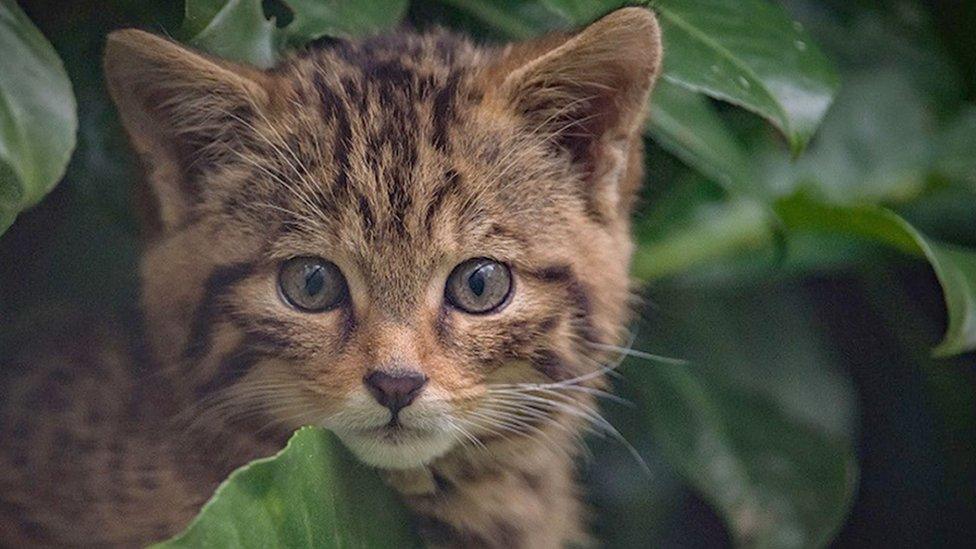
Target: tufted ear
[
  {"x": 588, "y": 92},
  {"x": 183, "y": 112}
]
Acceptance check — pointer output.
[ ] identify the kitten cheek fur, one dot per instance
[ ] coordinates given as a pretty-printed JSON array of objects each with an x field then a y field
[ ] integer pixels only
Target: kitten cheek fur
[{"x": 394, "y": 156}]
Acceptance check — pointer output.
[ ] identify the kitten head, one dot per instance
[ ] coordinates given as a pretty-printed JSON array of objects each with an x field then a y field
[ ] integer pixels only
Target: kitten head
[{"x": 406, "y": 240}]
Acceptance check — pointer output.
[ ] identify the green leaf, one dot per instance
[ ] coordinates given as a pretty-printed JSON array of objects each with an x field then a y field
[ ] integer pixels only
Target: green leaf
[
  {"x": 956, "y": 157},
  {"x": 775, "y": 481},
  {"x": 341, "y": 18},
  {"x": 311, "y": 494},
  {"x": 38, "y": 119},
  {"x": 751, "y": 54},
  {"x": 711, "y": 47},
  {"x": 874, "y": 146},
  {"x": 746, "y": 52},
  {"x": 239, "y": 29},
  {"x": 721, "y": 230},
  {"x": 747, "y": 422},
  {"x": 684, "y": 123},
  {"x": 955, "y": 267},
  {"x": 514, "y": 19},
  {"x": 718, "y": 230},
  {"x": 233, "y": 29}
]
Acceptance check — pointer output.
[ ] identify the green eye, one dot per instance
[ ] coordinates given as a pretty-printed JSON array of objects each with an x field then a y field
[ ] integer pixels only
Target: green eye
[
  {"x": 312, "y": 284},
  {"x": 479, "y": 286}
]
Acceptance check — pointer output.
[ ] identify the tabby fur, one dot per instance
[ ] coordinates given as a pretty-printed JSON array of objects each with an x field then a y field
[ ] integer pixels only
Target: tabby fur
[{"x": 397, "y": 158}]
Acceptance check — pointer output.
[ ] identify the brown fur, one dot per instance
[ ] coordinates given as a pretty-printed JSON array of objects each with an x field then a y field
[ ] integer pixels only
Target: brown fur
[{"x": 396, "y": 158}]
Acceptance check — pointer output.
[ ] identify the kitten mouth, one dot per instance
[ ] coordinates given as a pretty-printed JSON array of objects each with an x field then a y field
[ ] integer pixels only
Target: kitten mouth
[
  {"x": 395, "y": 432},
  {"x": 394, "y": 445}
]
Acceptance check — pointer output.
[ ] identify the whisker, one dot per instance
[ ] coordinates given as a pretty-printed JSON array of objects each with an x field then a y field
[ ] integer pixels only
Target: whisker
[
  {"x": 639, "y": 354},
  {"x": 592, "y": 416}
]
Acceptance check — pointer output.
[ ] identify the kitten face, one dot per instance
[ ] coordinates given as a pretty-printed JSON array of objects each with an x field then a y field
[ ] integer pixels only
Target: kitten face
[
  {"x": 496, "y": 194},
  {"x": 390, "y": 239}
]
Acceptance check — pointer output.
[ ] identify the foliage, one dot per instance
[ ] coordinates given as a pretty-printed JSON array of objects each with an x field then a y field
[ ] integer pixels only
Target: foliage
[
  {"x": 761, "y": 423},
  {"x": 311, "y": 494},
  {"x": 37, "y": 115},
  {"x": 239, "y": 29}
]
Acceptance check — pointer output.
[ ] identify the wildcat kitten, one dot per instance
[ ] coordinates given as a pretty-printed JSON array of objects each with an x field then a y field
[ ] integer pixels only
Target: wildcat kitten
[{"x": 415, "y": 242}]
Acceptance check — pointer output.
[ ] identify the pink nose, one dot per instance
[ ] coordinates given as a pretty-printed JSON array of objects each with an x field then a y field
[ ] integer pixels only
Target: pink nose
[{"x": 395, "y": 390}]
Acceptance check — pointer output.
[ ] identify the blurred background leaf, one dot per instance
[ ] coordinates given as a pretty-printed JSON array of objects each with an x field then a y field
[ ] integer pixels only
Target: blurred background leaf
[
  {"x": 955, "y": 267},
  {"x": 37, "y": 115}
]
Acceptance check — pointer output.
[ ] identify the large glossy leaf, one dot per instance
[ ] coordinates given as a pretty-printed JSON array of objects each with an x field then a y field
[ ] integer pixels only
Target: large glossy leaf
[
  {"x": 751, "y": 54},
  {"x": 955, "y": 267},
  {"x": 311, "y": 494},
  {"x": 240, "y": 30},
  {"x": 875, "y": 146},
  {"x": 684, "y": 123},
  {"x": 746, "y": 52},
  {"x": 878, "y": 145},
  {"x": 722, "y": 230},
  {"x": 711, "y": 47},
  {"x": 38, "y": 117}
]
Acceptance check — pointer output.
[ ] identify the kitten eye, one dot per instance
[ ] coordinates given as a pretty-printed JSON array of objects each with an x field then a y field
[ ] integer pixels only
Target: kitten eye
[
  {"x": 479, "y": 286},
  {"x": 311, "y": 284}
]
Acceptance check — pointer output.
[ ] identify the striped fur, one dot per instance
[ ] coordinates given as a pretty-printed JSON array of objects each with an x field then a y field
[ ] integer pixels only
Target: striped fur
[{"x": 397, "y": 158}]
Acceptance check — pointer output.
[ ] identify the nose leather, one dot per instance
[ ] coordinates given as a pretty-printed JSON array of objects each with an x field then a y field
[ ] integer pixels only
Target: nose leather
[{"x": 395, "y": 390}]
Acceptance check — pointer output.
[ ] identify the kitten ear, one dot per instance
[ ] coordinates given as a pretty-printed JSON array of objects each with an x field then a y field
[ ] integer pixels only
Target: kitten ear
[
  {"x": 182, "y": 111},
  {"x": 589, "y": 91}
]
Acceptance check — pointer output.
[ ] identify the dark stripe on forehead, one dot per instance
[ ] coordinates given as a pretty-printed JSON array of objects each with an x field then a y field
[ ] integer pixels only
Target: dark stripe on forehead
[
  {"x": 220, "y": 282},
  {"x": 443, "y": 111},
  {"x": 366, "y": 216},
  {"x": 452, "y": 180},
  {"x": 357, "y": 92},
  {"x": 400, "y": 200},
  {"x": 392, "y": 76},
  {"x": 333, "y": 110},
  {"x": 498, "y": 231}
]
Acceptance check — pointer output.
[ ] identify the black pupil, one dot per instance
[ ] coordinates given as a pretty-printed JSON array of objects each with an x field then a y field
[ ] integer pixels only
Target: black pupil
[
  {"x": 478, "y": 279},
  {"x": 314, "y": 279}
]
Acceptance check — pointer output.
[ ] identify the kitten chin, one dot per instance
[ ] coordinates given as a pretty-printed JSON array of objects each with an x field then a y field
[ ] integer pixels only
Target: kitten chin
[{"x": 399, "y": 450}]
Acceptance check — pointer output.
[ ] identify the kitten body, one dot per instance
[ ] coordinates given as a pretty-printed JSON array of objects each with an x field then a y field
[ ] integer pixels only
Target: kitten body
[{"x": 395, "y": 159}]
